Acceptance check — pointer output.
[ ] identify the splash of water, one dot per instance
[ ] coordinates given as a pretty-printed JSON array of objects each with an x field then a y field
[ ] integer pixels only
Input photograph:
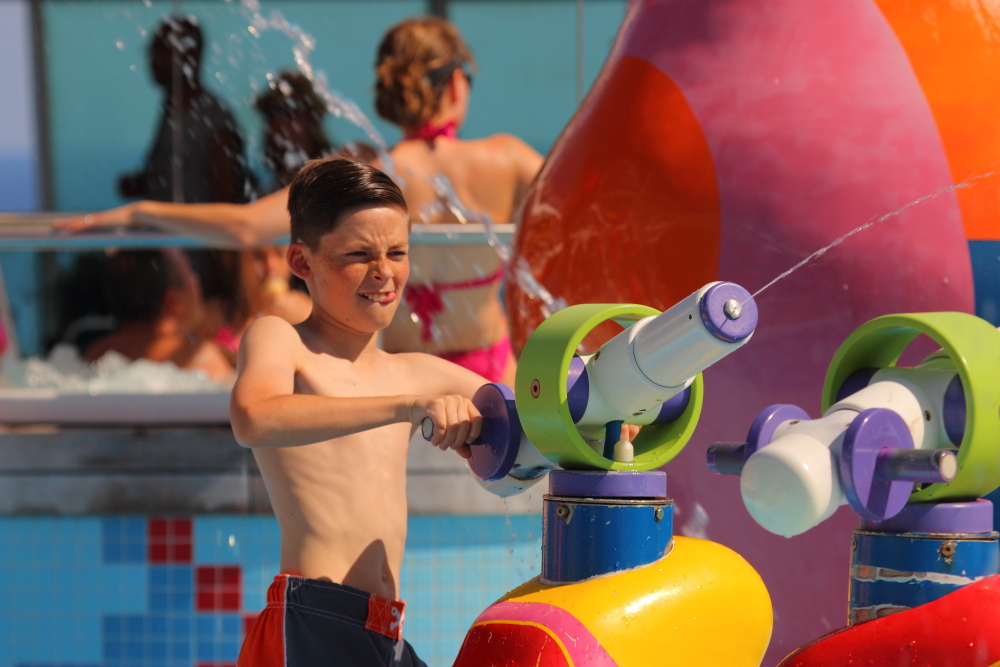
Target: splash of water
[
  {"x": 520, "y": 271},
  {"x": 303, "y": 45},
  {"x": 967, "y": 183}
]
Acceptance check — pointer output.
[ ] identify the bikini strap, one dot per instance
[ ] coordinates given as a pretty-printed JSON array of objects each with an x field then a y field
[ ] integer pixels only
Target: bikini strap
[{"x": 481, "y": 281}]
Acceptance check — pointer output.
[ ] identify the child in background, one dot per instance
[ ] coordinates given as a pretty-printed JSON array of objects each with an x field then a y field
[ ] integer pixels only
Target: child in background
[
  {"x": 156, "y": 300},
  {"x": 329, "y": 417}
]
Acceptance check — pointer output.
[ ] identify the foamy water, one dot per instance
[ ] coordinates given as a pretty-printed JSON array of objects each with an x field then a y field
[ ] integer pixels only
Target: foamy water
[{"x": 113, "y": 373}]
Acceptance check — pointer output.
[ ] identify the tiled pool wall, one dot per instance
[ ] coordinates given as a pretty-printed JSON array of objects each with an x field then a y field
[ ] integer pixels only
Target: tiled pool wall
[{"x": 152, "y": 591}]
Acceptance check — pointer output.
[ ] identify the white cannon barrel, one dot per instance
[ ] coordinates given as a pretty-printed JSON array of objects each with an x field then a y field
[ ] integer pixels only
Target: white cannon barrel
[{"x": 657, "y": 357}]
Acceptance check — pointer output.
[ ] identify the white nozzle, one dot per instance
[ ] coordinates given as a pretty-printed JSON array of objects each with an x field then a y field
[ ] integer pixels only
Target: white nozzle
[{"x": 624, "y": 452}]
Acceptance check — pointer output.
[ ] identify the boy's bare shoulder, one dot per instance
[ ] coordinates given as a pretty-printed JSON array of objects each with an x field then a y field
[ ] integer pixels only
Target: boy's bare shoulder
[{"x": 270, "y": 331}]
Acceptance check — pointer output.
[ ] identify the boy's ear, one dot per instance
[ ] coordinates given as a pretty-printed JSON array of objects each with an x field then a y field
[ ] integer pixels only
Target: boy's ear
[{"x": 298, "y": 260}]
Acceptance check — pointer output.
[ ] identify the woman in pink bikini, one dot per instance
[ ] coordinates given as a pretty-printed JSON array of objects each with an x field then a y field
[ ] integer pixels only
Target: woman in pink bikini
[{"x": 451, "y": 305}]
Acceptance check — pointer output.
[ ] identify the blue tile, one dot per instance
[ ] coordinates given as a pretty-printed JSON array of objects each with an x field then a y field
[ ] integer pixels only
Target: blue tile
[
  {"x": 133, "y": 650},
  {"x": 206, "y": 651},
  {"x": 113, "y": 649},
  {"x": 180, "y": 626},
  {"x": 158, "y": 577},
  {"x": 229, "y": 650},
  {"x": 159, "y": 602},
  {"x": 180, "y": 649},
  {"x": 205, "y": 625},
  {"x": 156, "y": 625},
  {"x": 133, "y": 626},
  {"x": 133, "y": 552},
  {"x": 156, "y": 650},
  {"x": 112, "y": 552},
  {"x": 181, "y": 601}
]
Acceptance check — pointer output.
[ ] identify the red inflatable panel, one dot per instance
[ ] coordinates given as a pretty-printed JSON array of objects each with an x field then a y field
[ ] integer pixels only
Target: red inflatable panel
[
  {"x": 962, "y": 629},
  {"x": 511, "y": 644}
]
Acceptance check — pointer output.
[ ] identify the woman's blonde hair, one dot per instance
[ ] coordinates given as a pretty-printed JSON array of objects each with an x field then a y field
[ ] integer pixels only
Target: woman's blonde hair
[{"x": 414, "y": 61}]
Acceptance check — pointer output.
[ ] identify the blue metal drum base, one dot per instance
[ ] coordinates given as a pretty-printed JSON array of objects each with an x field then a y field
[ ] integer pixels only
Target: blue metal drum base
[
  {"x": 893, "y": 572},
  {"x": 596, "y": 524}
]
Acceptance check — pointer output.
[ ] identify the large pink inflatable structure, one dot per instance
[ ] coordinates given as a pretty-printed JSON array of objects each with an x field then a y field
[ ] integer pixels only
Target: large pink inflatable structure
[{"x": 731, "y": 140}]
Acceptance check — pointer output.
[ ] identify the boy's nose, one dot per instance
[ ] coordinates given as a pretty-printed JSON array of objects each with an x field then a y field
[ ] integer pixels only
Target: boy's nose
[{"x": 381, "y": 268}]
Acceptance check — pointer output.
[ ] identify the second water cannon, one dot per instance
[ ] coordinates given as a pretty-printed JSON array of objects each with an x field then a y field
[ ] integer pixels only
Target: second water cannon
[
  {"x": 567, "y": 403},
  {"x": 888, "y": 436}
]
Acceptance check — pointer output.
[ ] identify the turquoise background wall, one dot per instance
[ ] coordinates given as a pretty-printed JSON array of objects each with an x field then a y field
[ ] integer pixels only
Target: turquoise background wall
[{"x": 104, "y": 107}]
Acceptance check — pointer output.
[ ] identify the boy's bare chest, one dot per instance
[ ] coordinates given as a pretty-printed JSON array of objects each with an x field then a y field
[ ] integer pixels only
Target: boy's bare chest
[{"x": 326, "y": 377}]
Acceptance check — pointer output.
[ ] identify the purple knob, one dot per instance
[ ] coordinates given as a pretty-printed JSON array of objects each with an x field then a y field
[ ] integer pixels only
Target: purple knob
[
  {"x": 729, "y": 458},
  {"x": 501, "y": 432},
  {"x": 879, "y": 465}
]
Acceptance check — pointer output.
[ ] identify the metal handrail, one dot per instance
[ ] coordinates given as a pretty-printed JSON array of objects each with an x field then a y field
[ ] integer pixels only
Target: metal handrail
[{"x": 34, "y": 232}]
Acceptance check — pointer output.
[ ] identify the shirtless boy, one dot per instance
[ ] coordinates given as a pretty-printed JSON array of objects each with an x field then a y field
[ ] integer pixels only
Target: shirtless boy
[{"x": 329, "y": 417}]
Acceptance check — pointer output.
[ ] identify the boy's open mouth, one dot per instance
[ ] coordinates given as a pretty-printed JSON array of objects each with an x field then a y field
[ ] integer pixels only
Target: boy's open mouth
[{"x": 379, "y": 297}]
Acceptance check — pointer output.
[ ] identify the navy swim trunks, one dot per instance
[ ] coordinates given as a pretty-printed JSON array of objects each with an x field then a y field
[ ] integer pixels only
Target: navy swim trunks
[{"x": 310, "y": 623}]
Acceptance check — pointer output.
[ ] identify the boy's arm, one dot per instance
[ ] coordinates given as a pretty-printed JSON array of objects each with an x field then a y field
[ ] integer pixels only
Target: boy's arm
[
  {"x": 445, "y": 377},
  {"x": 265, "y": 411}
]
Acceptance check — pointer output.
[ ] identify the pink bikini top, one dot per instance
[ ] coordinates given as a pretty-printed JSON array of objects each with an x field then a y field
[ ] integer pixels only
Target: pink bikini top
[
  {"x": 425, "y": 300},
  {"x": 430, "y": 132}
]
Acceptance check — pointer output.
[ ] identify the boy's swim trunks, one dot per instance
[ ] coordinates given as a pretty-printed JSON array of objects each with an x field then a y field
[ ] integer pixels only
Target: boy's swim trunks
[{"x": 309, "y": 623}]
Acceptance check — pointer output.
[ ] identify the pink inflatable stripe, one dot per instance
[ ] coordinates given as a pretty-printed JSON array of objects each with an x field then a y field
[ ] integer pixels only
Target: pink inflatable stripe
[{"x": 583, "y": 648}]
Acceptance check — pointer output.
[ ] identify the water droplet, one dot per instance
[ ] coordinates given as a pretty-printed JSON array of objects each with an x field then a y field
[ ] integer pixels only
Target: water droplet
[{"x": 120, "y": 44}]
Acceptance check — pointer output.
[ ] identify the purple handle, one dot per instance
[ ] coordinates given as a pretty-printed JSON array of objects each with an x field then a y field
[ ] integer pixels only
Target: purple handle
[{"x": 728, "y": 458}]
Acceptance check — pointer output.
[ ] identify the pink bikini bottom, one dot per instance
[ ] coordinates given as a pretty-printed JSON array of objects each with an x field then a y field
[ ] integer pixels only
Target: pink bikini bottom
[{"x": 490, "y": 362}]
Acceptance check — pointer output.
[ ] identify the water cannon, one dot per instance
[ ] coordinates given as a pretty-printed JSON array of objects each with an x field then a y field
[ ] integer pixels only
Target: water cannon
[
  {"x": 613, "y": 573},
  {"x": 568, "y": 408},
  {"x": 889, "y": 436}
]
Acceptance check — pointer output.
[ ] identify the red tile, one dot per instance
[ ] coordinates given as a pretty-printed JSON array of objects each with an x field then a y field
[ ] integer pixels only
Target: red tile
[
  {"x": 157, "y": 527},
  {"x": 157, "y": 553},
  {"x": 218, "y": 588},
  {"x": 169, "y": 541},
  {"x": 182, "y": 528},
  {"x": 182, "y": 553}
]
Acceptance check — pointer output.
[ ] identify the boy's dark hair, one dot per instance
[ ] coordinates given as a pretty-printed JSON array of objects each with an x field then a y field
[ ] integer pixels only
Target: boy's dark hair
[
  {"x": 136, "y": 282},
  {"x": 323, "y": 190}
]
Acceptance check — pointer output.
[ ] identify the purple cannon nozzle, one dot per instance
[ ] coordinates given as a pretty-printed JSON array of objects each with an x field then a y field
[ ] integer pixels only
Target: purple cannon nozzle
[{"x": 729, "y": 312}]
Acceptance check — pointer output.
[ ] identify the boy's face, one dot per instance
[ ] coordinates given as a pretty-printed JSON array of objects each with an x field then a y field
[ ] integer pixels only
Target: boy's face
[{"x": 356, "y": 275}]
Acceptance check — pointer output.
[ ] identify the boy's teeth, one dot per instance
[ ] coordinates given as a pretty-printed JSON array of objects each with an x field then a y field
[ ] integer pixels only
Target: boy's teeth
[{"x": 376, "y": 297}]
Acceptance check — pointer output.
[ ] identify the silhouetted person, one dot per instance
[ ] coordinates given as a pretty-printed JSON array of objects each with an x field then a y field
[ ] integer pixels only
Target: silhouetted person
[
  {"x": 156, "y": 299},
  {"x": 293, "y": 126},
  {"x": 197, "y": 155}
]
